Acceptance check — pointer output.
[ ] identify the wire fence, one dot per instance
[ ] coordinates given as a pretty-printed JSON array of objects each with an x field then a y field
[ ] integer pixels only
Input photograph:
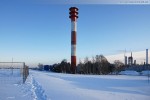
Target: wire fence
[{"x": 13, "y": 72}]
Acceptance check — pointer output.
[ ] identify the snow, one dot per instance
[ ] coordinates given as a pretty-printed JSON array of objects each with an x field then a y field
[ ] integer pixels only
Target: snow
[
  {"x": 42, "y": 85},
  {"x": 129, "y": 72},
  {"x": 146, "y": 72},
  {"x": 10, "y": 85},
  {"x": 93, "y": 87}
]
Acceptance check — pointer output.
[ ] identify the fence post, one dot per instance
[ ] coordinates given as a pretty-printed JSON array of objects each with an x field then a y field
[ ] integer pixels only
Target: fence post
[{"x": 25, "y": 72}]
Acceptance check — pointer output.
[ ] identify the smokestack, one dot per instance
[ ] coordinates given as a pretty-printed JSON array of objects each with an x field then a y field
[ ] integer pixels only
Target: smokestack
[
  {"x": 146, "y": 56},
  {"x": 73, "y": 16},
  {"x": 134, "y": 62},
  {"x": 125, "y": 58},
  {"x": 131, "y": 59}
]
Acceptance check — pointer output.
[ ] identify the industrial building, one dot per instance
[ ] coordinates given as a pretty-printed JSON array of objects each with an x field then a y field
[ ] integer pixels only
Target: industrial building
[{"x": 130, "y": 61}]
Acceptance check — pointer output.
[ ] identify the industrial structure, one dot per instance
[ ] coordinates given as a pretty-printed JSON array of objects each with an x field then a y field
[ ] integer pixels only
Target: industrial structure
[
  {"x": 132, "y": 63},
  {"x": 73, "y": 16},
  {"x": 146, "y": 56},
  {"x": 125, "y": 60},
  {"x": 130, "y": 60}
]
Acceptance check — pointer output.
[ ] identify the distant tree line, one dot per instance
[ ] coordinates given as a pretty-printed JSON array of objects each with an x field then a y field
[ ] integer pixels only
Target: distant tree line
[
  {"x": 63, "y": 67},
  {"x": 97, "y": 65}
]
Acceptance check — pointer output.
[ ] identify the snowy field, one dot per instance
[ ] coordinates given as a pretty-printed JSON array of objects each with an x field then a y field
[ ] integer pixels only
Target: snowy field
[{"x": 55, "y": 86}]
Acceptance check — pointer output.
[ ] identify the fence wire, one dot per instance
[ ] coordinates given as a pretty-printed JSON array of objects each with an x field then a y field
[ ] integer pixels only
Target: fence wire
[{"x": 13, "y": 73}]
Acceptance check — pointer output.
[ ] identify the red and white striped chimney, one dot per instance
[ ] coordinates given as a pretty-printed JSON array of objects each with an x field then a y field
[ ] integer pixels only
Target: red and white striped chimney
[{"x": 73, "y": 16}]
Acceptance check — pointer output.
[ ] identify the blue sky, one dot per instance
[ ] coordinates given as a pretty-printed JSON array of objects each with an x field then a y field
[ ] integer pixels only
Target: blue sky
[{"x": 37, "y": 32}]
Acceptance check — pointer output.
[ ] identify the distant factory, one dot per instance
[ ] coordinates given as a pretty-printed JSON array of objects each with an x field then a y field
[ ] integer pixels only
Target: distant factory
[{"x": 130, "y": 61}]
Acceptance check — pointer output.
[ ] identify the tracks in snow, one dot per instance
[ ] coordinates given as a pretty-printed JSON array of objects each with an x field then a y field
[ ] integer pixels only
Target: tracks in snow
[{"x": 35, "y": 89}]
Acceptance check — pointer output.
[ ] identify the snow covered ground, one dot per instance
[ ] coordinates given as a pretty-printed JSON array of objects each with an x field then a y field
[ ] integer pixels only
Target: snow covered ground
[
  {"x": 11, "y": 85},
  {"x": 56, "y": 86},
  {"x": 129, "y": 72}
]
